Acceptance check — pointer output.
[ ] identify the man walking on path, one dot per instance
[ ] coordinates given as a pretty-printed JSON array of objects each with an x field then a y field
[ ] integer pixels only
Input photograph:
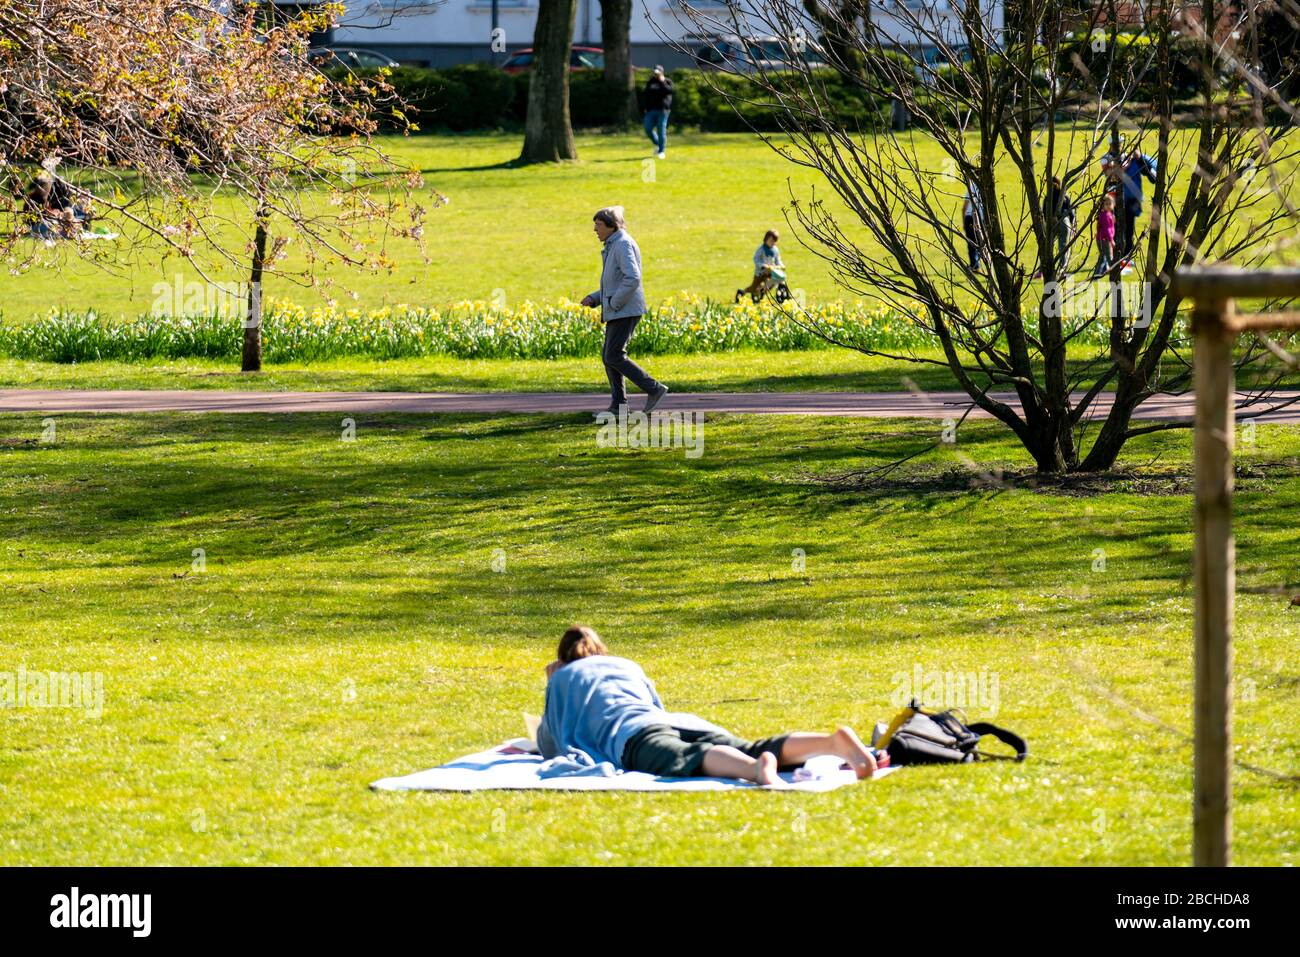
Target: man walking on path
[
  {"x": 622, "y": 304},
  {"x": 658, "y": 103}
]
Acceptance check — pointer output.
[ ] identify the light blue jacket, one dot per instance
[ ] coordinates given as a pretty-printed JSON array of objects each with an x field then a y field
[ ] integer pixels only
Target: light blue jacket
[
  {"x": 595, "y": 704},
  {"x": 767, "y": 256},
  {"x": 620, "y": 293}
]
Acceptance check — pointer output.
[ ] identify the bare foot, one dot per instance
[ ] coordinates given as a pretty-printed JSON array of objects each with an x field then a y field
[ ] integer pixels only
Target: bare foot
[
  {"x": 765, "y": 770},
  {"x": 850, "y": 747}
]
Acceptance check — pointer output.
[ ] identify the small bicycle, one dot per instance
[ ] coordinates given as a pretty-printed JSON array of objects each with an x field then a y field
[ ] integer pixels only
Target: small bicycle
[{"x": 769, "y": 281}]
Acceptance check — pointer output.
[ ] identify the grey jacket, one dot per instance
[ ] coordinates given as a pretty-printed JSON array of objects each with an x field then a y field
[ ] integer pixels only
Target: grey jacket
[{"x": 620, "y": 293}]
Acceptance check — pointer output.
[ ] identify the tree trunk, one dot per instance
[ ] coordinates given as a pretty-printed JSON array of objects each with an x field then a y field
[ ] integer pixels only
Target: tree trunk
[
  {"x": 252, "y": 358},
  {"x": 837, "y": 19},
  {"x": 1135, "y": 369},
  {"x": 548, "y": 131},
  {"x": 616, "y": 38}
]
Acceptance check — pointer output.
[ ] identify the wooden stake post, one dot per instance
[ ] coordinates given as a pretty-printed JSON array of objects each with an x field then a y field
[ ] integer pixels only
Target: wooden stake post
[{"x": 1216, "y": 326}]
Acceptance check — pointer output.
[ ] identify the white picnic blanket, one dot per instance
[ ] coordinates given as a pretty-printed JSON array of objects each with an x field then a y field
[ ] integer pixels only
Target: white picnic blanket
[{"x": 508, "y": 768}]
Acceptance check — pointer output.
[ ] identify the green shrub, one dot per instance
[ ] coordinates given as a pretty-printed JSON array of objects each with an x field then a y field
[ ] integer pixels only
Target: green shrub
[
  {"x": 1130, "y": 56},
  {"x": 481, "y": 96},
  {"x": 728, "y": 103}
]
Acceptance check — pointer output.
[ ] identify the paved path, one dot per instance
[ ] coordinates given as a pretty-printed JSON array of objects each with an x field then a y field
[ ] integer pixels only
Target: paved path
[{"x": 935, "y": 405}]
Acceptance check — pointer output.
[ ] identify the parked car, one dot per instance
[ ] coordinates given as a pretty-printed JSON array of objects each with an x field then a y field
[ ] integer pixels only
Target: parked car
[
  {"x": 581, "y": 58},
  {"x": 737, "y": 54},
  {"x": 354, "y": 58}
]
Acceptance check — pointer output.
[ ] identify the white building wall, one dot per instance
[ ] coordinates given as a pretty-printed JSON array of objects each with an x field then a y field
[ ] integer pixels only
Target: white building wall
[
  {"x": 447, "y": 31},
  {"x": 383, "y": 22}
]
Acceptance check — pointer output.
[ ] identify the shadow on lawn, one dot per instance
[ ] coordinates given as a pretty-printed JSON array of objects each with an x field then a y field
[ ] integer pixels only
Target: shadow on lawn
[
  {"x": 517, "y": 164},
  {"x": 705, "y": 540}
]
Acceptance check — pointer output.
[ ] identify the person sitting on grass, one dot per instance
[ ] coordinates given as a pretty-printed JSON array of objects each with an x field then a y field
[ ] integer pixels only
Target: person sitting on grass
[
  {"x": 43, "y": 217},
  {"x": 51, "y": 211},
  {"x": 606, "y": 707}
]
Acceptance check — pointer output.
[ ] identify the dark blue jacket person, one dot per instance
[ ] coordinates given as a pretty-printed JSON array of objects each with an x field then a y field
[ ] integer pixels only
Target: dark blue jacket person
[
  {"x": 1135, "y": 167},
  {"x": 658, "y": 103}
]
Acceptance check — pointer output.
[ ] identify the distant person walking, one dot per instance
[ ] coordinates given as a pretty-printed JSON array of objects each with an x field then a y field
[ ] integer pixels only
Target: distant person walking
[
  {"x": 658, "y": 103},
  {"x": 622, "y": 304}
]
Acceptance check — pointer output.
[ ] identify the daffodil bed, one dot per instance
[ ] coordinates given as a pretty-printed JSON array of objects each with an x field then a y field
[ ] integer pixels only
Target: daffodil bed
[{"x": 681, "y": 324}]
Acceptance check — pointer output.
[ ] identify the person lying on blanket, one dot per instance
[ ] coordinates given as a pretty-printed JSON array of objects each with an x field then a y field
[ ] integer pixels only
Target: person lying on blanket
[{"x": 606, "y": 707}]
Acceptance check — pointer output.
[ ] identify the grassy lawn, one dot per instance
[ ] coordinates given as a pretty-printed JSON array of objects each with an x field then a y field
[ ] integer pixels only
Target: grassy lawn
[
  {"x": 527, "y": 232},
  {"x": 349, "y": 626},
  {"x": 741, "y": 371},
  {"x": 820, "y": 370}
]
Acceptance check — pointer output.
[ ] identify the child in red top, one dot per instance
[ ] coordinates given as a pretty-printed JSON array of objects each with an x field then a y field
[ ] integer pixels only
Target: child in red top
[{"x": 1105, "y": 235}]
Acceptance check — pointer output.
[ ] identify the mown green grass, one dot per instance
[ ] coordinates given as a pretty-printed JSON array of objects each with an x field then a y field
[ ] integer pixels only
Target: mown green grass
[
  {"x": 231, "y": 733},
  {"x": 743, "y": 370},
  {"x": 526, "y": 232},
  {"x": 822, "y": 370}
]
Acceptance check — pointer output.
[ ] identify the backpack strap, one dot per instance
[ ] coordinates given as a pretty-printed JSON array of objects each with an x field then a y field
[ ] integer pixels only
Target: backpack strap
[
  {"x": 899, "y": 720},
  {"x": 1002, "y": 734}
]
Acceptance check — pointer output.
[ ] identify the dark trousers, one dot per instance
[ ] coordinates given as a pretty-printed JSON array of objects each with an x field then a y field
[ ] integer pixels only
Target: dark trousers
[
  {"x": 1132, "y": 210},
  {"x": 618, "y": 365},
  {"x": 970, "y": 226},
  {"x": 679, "y": 752}
]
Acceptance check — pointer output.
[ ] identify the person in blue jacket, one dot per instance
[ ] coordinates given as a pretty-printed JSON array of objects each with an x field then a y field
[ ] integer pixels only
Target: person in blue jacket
[
  {"x": 606, "y": 708},
  {"x": 1129, "y": 173}
]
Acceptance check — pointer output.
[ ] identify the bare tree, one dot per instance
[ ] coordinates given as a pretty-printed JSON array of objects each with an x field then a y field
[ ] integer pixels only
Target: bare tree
[
  {"x": 196, "y": 131},
  {"x": 548, "y": 129},
  {"x": 959, "y": 248}
]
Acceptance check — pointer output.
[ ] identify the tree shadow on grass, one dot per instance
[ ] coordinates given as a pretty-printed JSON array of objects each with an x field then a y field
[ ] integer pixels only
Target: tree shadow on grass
[
  {"x": 493, "y": 429},
  {"x": 705, "y": 541},
  {"x": 511, "y": 164},
  {"x": 518, "y": 164}
]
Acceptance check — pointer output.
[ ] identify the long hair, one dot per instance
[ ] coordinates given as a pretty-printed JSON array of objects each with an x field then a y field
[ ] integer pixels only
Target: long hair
[{"x": 580, "y": 642}]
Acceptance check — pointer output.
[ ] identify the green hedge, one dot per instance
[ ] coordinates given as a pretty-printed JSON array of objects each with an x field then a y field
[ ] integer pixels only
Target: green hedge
[
  {"x": 480, "y": 96},
  {"x": 1125, "y": 57},
  {"x": 1133, "y": 56}
]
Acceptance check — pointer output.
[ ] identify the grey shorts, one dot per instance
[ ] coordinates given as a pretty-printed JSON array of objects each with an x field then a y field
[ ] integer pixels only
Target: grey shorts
[{"x": 679, "y": 752}]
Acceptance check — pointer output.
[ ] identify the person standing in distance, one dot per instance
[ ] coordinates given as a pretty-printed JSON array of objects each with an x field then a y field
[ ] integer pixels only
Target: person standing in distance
[
  {"x": 621, "y": 301},
  {"x": 658, "y": 103},
  {"x": 1127, "y": 172}
]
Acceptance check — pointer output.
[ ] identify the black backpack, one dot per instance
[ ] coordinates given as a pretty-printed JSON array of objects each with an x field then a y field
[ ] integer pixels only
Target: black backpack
[{"x": 921, "y": 736}]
